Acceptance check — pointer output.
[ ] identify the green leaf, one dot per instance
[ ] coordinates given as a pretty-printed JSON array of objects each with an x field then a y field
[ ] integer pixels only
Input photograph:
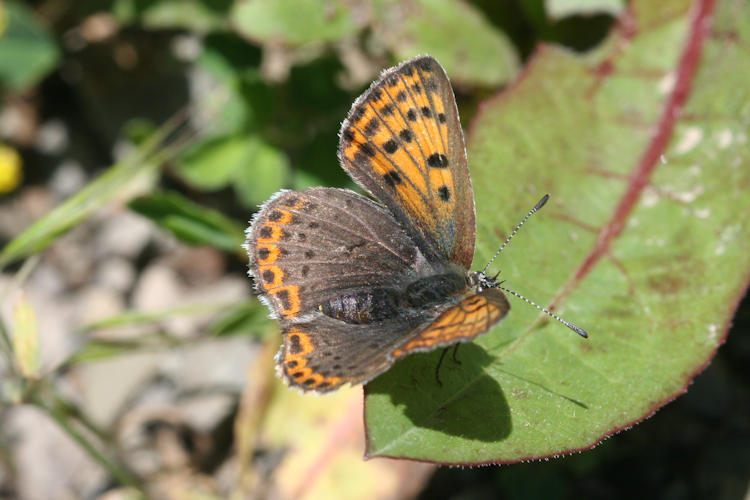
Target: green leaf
[
  {"x": 293, "y": 22},
  {"x": 557, "y": 9},
  {"x": 456, "y": 33},
  {"x": 645, "y": 243},
  {"x": 265, "y": 171},
  {"x": 255, "y": 168},
  {"x": 27, "y": 51},
  {"x": 194, "y": 15},
  {"x": 233, "y": 65},
  {"x": 211, "y": 164},
  {"x": 190, "y": 222}
]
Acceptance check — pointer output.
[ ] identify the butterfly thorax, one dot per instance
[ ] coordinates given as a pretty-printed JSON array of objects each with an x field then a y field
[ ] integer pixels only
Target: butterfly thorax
[{"x": 378, "y": 304}]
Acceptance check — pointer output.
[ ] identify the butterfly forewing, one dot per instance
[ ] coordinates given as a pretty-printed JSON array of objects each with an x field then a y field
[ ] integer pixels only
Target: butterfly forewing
[
  {"x": 402, "y": 141},
  {"x": 308, "y": 246}
]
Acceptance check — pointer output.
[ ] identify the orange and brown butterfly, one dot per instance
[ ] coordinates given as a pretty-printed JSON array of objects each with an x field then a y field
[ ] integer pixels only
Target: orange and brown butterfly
[{"x": 358, "y": 284}]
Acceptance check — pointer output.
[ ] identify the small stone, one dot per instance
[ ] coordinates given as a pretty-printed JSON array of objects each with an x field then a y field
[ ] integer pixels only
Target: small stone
[
  {"x": 95, "y": 303},
  {"x": 157, "y": 288},
  {"x": 48, "y": 462},
  {"x": 116, "y": 273},
  {"x": 124, "y": 234},
  {"x": 200, "y": 265},
  {"x": 52, "y": 137},
  {"x": 67, "y": 179}
]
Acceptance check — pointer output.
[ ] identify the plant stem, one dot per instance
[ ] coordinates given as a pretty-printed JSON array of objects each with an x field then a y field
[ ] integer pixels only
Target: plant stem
[{"x": 118, "y": 471}]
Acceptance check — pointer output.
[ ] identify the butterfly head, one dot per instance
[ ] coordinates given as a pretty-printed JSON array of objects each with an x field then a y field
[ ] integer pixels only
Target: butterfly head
[{"x": 479, "y": 281}]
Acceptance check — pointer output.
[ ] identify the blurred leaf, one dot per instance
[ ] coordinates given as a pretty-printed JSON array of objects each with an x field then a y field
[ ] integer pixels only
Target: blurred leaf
[
  {"x": 247, "y": 318},
  {"x": 211, "y": 164},
  {"x": 228, "y": 57},
  {"x": 557, "y": 9},
  {"x": 255, "y": 168},
  {"x": 645, "y": 242},
  {"x": 26, "y": 338},
  {"x": 194, "y": 15},
  {"x": 27, "y": 52},
  {"x": 264, "y": 172},
  {"x": 138, "y": 130},
  {"x": 322, "y": 457},
  {"x": 134, "y": 318},
  {"x": 456, "y": 33},
  {"x": 190, "y": 222},
  {"x": 310, "y": 105},
  {"x": 233, "y": 64},
  {"x": 293, "y": 22},
  {"x": 96, "y": 350}
]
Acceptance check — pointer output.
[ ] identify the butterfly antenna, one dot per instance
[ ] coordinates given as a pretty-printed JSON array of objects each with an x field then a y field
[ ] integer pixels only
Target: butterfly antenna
[
  {"x": 580, "y": 331},
  {"x": 507, "y": 240}
]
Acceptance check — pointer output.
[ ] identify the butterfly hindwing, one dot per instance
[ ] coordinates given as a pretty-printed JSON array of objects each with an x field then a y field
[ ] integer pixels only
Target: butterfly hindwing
[
  {"x": 402, "y": 141},
  {"x": 323, "y": 354}
]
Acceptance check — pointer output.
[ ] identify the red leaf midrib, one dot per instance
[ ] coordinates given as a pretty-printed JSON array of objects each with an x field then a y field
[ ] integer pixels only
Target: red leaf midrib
[{"x": 639, "y": 179}]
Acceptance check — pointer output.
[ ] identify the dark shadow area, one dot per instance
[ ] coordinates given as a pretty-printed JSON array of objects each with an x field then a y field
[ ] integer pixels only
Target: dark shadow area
[{"x": 469, "y": 404}]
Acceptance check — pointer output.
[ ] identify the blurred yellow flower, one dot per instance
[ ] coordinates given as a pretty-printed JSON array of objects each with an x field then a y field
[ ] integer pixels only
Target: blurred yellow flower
[{"x": 10, "y": 169}]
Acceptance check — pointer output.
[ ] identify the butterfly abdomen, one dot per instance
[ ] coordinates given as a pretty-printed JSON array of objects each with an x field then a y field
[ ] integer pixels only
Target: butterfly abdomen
[
  {"x": 363, "y": 307},
  {"x": 371, "y": 306}
]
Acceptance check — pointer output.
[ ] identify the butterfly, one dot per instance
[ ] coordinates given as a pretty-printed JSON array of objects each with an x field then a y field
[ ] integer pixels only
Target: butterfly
[{"x": 357, "y": 283}]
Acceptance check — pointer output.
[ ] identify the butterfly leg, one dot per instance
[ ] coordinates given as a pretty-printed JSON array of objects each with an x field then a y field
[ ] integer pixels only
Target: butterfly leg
[
  {"x": 440, "y": 362},
  {"x": 455, "y": 351},
  {"x": 437, "y": 368}
]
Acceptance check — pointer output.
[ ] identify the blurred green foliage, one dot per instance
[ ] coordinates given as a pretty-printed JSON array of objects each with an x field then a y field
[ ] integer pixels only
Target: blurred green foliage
[
  {"x": 265, "y": 83},
  {"x": 27, "y": 49}
]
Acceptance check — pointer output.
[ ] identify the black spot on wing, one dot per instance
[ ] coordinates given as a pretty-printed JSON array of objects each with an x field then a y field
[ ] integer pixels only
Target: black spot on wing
[
  {"x": 390, "y": 146},
  {"x": 437, "y": 160},
  {"x": 392, "y": 178}
]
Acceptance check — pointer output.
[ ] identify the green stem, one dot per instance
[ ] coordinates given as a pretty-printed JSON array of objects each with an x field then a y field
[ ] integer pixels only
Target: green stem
[{"x": 118, "y": 471}]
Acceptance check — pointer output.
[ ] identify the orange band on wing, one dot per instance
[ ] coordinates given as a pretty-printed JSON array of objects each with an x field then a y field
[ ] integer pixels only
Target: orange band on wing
[
  {"x": 289, "y": 298},
  {"x": 297, "y": 346},
  {"x": 267, "y": 253},
  {"x": 271, "y": 276},
  {"x": 464, "y": 321}
]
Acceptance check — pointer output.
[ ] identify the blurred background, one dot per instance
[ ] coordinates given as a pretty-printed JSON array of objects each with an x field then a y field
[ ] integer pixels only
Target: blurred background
[{"x": 136, "y": 360}]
